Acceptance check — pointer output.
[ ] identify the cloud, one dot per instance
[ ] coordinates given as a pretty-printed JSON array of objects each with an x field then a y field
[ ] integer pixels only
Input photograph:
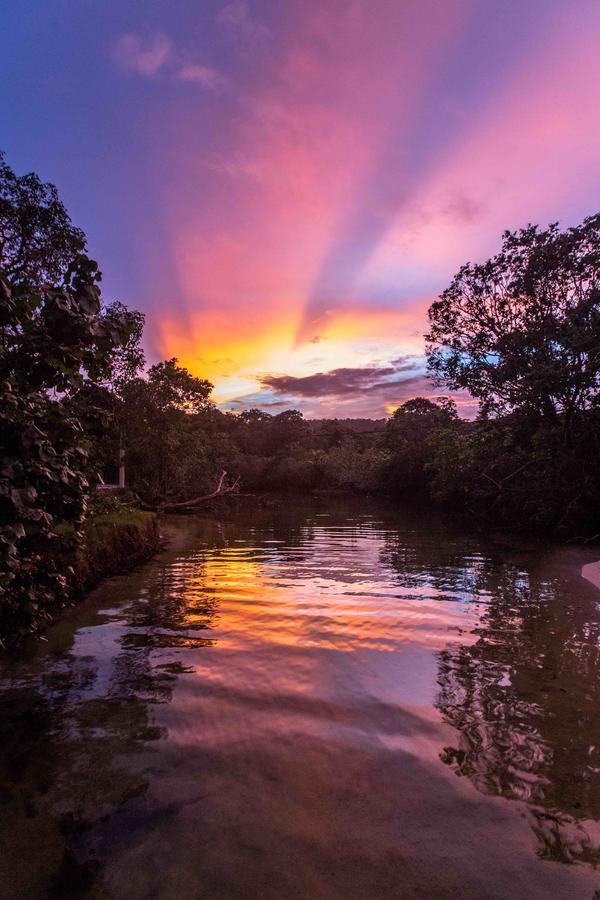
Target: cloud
[
  {"x": 204, "y": 76},
  {"x": 367, "y": 392},
  {"x": 236, "y": 166},
  {"x": 345, "y": 381},
  {"x": 151, "y": 55},
  {"x": 338, "y": 381},
  {"x": 462, "y": 208},
  {"x": 246, "y": 403},
  {"x": 236, "y": 15},
  {"x": 406, "y": 361},
  {"x": 144, "y": 56}
]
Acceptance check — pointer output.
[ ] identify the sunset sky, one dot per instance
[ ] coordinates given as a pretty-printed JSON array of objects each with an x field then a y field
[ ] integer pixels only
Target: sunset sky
[{"x": 283, "y": 186}]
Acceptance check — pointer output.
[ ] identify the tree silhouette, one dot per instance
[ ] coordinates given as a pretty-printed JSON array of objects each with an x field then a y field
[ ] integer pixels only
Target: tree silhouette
[
  {"x": 38, "y": 242},
  {"x": 522, "y": 330}
]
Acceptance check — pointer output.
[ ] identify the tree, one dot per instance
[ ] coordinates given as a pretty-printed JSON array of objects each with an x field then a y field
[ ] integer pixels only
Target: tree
[
  {"x": 40, "y": 248},
  {"x": 166, "y": 445},
  {"x": 252, "y": 430},
  {"x": 413, "y": 421},
  {"x": 125, "y": 360},
  {"x": 52, "y": 340},
  {"x": 38, "y": 242},
  {"x": 408, "y": 436},
  {"x": 173, "y": 387},
  {"x": 287, "y": 428},
  {"x": 61, "y": 356},
  {"x": 522, "y": 330}
]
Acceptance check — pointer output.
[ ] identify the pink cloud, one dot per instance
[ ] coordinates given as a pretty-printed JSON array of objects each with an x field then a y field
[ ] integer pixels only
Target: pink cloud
[
  {"x": 236, "y": 15},
  {"x": 203, "y": 75},
  {"x": 145, "y": 56}
]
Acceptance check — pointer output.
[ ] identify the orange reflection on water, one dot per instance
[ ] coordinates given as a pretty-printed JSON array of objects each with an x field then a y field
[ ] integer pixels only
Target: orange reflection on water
[{"x": 279, "y": 597}]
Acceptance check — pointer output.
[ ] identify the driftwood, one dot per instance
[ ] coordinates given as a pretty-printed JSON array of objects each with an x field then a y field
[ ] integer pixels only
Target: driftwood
[{"x": 221, "y": 489}]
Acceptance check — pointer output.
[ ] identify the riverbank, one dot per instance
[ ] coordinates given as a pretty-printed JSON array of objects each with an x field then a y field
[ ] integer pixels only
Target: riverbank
[
  {"x": 117, "y": 538},
  {"x": 115, "y": 542}
]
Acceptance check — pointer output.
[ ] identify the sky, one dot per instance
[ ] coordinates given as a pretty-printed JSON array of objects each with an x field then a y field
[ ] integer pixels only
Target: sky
[{"x": 284, "y": 186}]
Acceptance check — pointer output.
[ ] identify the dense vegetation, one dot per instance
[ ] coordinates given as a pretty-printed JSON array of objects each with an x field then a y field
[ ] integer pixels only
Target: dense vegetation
[
  {"x": 57, "y": 342},
  {"x": 520, "y": 332}
]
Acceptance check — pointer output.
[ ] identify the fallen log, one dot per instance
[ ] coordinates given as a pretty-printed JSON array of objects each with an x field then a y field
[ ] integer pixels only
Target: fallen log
[{"x": 221, "y": 489}]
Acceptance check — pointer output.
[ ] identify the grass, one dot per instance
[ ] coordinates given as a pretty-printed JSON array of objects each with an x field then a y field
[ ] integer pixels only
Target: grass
[{"x": 116, "y": 539}]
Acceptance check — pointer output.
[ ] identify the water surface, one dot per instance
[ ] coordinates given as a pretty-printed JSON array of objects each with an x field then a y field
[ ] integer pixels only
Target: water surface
[{"x": 311, "y": 702}]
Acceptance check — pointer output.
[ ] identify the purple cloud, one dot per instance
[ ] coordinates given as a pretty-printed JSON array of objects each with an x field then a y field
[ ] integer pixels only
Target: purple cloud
[{"x": 337, "y": 381}]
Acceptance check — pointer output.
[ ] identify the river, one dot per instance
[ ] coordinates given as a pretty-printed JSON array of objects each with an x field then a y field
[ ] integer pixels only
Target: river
[{"x": 329, "y": 700}]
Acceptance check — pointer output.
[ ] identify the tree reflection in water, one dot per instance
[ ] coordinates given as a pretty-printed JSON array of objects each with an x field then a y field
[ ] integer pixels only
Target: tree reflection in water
[
  {"x": 73, "y": 714},
  {"x": 524, "y": 698}
]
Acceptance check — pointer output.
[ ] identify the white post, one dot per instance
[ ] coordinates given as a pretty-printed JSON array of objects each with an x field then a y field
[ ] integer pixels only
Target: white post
[{"x": 121, "y": 467}]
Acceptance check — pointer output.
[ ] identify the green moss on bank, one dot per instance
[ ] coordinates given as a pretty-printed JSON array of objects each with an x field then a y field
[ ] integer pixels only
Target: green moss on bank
[
  {"x": 117, "y": 537},
  {"x": 115, "y": 541}
]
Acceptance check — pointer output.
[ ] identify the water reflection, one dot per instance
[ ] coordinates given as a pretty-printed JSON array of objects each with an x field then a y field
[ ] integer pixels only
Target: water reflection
[
  {"x": 259, "y": 713},
  {"x": 70, "y": 720},
  {"x": 524, "y": 698}
]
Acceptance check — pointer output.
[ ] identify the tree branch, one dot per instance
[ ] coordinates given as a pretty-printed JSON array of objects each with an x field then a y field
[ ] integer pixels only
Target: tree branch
[{"x": 221, "y": 489}]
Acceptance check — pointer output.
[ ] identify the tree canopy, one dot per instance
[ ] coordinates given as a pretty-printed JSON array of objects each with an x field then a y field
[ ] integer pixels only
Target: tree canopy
[
  {"x": 522, "y": 330},
  {"x": 38, "y": 242},
  {"x": 56, "y": 342}
]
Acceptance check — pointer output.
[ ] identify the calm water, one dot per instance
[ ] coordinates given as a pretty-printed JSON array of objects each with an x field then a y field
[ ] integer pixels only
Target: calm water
[{"x": 311, "y": 703}]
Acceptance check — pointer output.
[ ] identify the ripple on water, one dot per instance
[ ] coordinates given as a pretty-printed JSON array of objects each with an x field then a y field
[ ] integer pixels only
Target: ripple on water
[{"x": 280, "y": 707}]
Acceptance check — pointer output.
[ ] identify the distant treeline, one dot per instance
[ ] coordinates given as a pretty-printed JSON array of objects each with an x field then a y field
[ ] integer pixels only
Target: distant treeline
[{"x": 520, "y": 332}]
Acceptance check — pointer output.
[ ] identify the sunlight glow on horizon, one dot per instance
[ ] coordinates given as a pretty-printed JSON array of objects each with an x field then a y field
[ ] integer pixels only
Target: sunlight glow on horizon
[
  {"x": 315, "y": 250},
  {"x": 285, "y": 188}
]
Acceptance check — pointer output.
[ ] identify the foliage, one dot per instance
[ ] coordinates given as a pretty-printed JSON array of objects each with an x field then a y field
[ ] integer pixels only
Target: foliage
[
  {"x": 54, "y": 341},
  {"x": 172, "y": 387},
  {"x": 522, "y": 330},
  {"x": 522, "y": 333},
  {"x": 517, "y": 470},
  {"x": 38, "y": 243},
  {"x": 51, "y": 342},
  {"x": 350, "y": 466},
  {"x": 407, "y": 437},
  {"x": 126, "y": 357},
  {"x": 161, "y": 419}
]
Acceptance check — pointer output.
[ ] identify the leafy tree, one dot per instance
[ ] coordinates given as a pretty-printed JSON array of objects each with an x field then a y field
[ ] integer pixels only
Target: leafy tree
[
  {"x": 173, "y": 387},
  {"x": 125, "y": 360},
  {"x": 41, "y": 248},
  {"x": 52, "y": 340},
  {"x": 407, "y": 436},
  {"x": 287, "y": 428},
  {"x": 61, "y": 356},
  {"x": 38, "y": 242},
  {"x": 163, "y": 418},
  {"x": 413, "y": 420},
  {"x": 260, "y": 433},
  {"x": 252, "y": 431},
  {"x": 522, "y": 330}
]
